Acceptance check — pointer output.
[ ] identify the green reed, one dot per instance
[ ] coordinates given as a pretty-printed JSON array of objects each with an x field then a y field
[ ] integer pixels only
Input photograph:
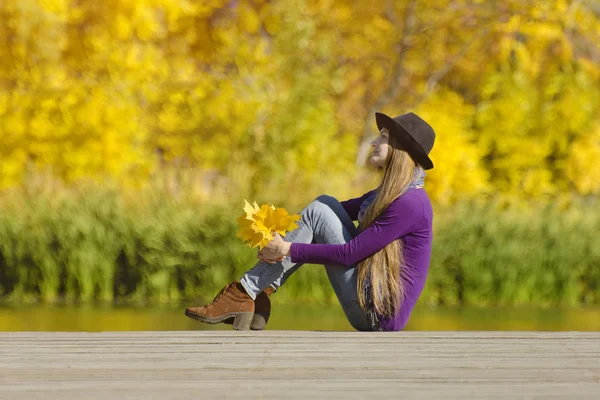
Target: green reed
[
  {"x": 93, "y": 245},
  {"x": 527, "y": 255}
]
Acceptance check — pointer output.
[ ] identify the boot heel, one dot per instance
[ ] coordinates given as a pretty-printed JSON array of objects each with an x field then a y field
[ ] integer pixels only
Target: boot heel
[
  {"x": 242, "y": 321},
  {"x": 259, "y": 322}
]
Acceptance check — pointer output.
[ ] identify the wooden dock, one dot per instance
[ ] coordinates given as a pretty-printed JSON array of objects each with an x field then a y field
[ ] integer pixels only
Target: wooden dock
[{"x": 296, "y": 364}]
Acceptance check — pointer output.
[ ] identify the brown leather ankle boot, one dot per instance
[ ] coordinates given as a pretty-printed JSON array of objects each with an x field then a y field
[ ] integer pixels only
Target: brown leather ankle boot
[
  {"x": 262, "y": 310},
  {"x": 232, "y": 303}
]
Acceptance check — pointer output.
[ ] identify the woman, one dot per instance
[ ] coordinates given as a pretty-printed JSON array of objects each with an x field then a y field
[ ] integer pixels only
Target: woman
[{"x": 378, "y": 270}]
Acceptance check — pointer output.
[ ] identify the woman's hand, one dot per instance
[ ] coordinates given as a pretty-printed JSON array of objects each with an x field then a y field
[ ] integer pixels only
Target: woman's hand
[{"x": 275, "y": 251}]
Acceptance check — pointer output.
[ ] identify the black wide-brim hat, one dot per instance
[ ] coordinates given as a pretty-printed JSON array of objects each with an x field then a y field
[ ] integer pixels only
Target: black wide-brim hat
[{"x": 415, "y": 136}]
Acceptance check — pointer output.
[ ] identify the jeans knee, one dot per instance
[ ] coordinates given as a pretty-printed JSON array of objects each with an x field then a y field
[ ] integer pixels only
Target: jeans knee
[
  {"x": 325, "y": 204},
  {"x": 322, "y": 204},
  {"x": 326, "y": 199}
]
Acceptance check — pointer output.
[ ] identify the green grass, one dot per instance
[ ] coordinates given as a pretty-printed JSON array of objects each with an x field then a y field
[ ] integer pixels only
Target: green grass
[{"x": 93, "y": 246}]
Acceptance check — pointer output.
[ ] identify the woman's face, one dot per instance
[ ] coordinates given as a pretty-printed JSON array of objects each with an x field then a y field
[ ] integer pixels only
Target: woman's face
[{"x": 380, "y": 149}]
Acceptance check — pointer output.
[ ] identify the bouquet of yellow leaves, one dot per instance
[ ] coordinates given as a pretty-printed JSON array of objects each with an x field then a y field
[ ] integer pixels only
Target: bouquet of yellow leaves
[{"x": 258, "y": 224}]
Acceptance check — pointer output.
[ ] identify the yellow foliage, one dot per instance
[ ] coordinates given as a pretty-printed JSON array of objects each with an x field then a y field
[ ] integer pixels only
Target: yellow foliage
[
  {"x": 247, "y": 90},
  {"x": 457, "y": 159},
  {"x": 584, "y": 161},
  {"x": 258, "y": 224}
]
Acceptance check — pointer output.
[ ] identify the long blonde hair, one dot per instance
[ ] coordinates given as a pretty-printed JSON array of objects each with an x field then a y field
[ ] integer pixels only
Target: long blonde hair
[{"x": 382, "y": 269}]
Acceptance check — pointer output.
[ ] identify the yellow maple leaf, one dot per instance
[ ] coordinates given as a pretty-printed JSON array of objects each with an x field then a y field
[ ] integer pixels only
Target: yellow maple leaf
[
  {"x": 258, "y": 224},
  {"x": 244, "y": 222},
  {"x": 283, "y": 221},
  {"x": 264, "y": 211},
  {"x": 249, "y": 209},
  {"x": 253, "y": 237}
]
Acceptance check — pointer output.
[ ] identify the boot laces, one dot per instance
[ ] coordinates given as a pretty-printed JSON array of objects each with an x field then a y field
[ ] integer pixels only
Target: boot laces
[{"x": 223, "y": 290}]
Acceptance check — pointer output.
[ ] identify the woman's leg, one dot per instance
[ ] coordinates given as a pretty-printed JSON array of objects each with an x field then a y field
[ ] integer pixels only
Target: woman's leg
[{"x": 323, "y": 221}]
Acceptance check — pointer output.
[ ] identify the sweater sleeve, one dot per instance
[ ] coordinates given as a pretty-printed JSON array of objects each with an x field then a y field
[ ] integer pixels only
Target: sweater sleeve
[
  {"x": 352, "y": 206},
  {"x": 397, "y": 220}
]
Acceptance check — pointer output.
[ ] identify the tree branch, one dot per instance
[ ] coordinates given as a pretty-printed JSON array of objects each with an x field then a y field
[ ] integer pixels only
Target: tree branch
[
  {"x": 441, "y": 73},
  {"x": 393, "y": 88},
  {"x": 593, "y": 6}
]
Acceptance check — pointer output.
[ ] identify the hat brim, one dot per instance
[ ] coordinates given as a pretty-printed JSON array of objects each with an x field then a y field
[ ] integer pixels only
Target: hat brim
[{"x": 409, "y": 144}]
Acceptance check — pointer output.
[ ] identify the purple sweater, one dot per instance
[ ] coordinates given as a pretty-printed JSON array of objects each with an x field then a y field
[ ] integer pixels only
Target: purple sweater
[{"x": 409, "y": 218}]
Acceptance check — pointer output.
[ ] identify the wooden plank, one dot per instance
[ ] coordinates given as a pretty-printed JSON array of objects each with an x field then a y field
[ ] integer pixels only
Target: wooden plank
[{"x": 299, "y": 364}]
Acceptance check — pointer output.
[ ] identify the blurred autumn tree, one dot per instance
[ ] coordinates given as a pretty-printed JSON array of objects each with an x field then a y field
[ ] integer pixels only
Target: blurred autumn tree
[{"x": 271, "y": 95}]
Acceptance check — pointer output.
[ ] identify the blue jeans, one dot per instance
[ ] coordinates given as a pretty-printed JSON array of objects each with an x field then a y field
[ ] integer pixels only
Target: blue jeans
[{"x": 323, "y": 221}]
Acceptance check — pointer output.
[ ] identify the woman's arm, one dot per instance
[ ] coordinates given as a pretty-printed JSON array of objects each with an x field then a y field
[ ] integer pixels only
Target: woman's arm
[
  {"x": 396, "y": 221},
  {"x": 278, "y": 248}
]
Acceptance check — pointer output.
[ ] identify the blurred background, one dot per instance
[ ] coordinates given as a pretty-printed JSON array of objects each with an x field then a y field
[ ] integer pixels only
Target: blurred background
[{"x": 131, "y": 131}]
